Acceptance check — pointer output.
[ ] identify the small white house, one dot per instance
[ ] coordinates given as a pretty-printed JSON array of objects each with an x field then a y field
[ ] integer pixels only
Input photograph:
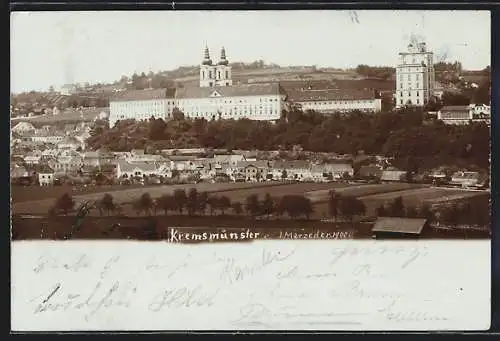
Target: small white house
[
  {"x": 465, "y": 178},
  {"x": 130, "y": 170},
  {"x": 45, "y": 176}
]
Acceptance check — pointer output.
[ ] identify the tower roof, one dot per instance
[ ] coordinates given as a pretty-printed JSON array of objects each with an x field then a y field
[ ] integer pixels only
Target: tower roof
[
  {"x": 206, "y": 57},
  {"x": 223, "y": 60}
]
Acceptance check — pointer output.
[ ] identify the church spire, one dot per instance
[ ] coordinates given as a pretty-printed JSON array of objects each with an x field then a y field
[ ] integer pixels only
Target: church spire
[
  {"x": 206, "y": 57},
  {"x": 223, "y": 60}
]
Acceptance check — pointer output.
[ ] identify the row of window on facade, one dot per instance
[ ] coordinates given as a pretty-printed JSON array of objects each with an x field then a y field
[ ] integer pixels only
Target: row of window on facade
[
  {"x": 410, "y": 102},
  {"x": 339, "y": 102},
  {"x": 409, "y": 93},
  {"x": 415, "y": 69},
  {"x": 148, "y": 103},
  {"x": 218, "y": 74},
  {"x": 417, "y": 77},
  {"x": 237, "y": 113},
  {"x": 230, "y": 101}
]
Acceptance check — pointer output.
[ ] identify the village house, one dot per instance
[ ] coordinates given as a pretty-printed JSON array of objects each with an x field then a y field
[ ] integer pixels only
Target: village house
[
  {"x": 204, "y": 168},
  {"x": 392, "y": 174},
  {"x": 70, "y": 143},
  {"x": 33, "y": 157},
  {"x": 369, "y": 172},
  {"x": 47, "y": 127},
  {"x": 125, "y": 170},
  {"x": 137, "y": 157},
  {"x": 339, "y": 170},
  {"x": 299, "y": 170},
  {"x": 49, "y": 153},
  {"x": 91, "y": 158},
  {"x": 66, "y": 164},
  {"x": 319, "y": 173},
  {"x": 254, "y": 171},
  {"x": 231, "y": 160},
  {"x": 464, "y": 114},
  {"x": 45, "y": 176},
  {"x": 42, "y": 136},
  {"x": 465, "y": 179},
  {"x": 181, "y": 163},
  {"x": 18, "y": 171},
  {"x": 23, "y": 127}
]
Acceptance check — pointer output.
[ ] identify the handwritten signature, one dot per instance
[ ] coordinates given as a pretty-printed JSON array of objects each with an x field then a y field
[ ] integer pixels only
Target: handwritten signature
[
  {"x": 258, "y": 314},
  {"x": 233, "y": 272},
  {"x": 97, "y": 300},
  {"x": 183, "y": 297}
]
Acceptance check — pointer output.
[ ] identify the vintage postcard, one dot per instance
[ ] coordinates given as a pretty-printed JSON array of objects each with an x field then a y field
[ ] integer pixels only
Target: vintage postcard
[{"x": 265, "y": 170}]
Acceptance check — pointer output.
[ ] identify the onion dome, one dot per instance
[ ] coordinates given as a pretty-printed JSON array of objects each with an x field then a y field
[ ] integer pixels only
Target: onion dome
[
  {"x": 206, "y": 57},
  {"x": 223, "y": 60}
]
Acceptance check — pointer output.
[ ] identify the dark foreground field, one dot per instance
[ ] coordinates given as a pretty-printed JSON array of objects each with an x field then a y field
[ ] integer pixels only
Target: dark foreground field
[{"x": 159, "y": 228}]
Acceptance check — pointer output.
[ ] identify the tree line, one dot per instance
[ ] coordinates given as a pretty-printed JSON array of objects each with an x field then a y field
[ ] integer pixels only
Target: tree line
[
  {"x": 195, "y": 203},
  {"x": 398, "y": 134},
  {"x": 346, "y": 208}
]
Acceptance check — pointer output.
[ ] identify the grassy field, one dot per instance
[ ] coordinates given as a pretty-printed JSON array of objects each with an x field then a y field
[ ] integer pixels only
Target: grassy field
[
  {"x": 236, "y": 192},
  {"x": 31, "y": 193},
  {"x": 373, "y": 195},
  {"x": 361, "y": 190},
  {"x": 413, "y": 195},
  {"x": 418, "y": 196}
]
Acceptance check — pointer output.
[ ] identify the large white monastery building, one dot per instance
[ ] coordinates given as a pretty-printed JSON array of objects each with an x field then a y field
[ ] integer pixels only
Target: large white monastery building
[
  {"x": 217, "y": 97},
  {"x": 415, "y": 76}
]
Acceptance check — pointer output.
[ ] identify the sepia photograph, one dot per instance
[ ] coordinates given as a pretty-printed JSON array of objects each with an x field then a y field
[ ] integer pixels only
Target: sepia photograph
[
  {"x": 236, "y": 127},
  {"x": 186, "y": 129}
]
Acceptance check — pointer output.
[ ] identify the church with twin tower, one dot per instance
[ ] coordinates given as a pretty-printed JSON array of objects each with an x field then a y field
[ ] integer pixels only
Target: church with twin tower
[{"x": 215, "y": 75}]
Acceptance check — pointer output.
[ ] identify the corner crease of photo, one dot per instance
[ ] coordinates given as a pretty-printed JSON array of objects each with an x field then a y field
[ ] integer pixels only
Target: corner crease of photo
[{"x": 191, "y": 171}]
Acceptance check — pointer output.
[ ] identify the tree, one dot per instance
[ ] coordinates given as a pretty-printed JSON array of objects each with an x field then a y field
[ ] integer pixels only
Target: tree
[
  {"x": 175, "y": 173},
  {"x": 65, "y": 203},
  {"x": 166, "y": 203},
  {"x": 425, "y": 212},
  {"x": 411, "y": 212},
  {"x": 156, "y": 129},
  {"x": 252, "y": 205},
  {"x": 192, "y": 201},
  {"x": 145, "y": 204},
  {"x": 213, "y": 203},
  {"x": 237, "y": 208},
  {"x": 333, "y": 203},
  {"x": 177, "y": 115},
  {"x": 381, "y": 211},
  {"x": 306, "y": 207},
  {"x": 295, "y": 206},
  {"x": 202, "y": 202},
  {"x": 107, "y": 203},
  {"x": 268, "y": 205},
  {"x": 397, "y": 208},
  {"x": 350, "y": 207},
  {"x": 180, "y": 199},
  {"x": 224, "y": 204}
]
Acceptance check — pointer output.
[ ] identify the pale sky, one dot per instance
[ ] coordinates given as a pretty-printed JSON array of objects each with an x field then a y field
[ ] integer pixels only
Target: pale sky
[{"x": 54, "y": 48}]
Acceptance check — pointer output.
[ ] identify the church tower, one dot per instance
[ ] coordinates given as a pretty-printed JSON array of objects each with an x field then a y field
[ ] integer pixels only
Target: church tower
[
  {"x": 207, "y": 70},
  {"x": 215, "y": 75},
  {"x": 223, "y": 70}
]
